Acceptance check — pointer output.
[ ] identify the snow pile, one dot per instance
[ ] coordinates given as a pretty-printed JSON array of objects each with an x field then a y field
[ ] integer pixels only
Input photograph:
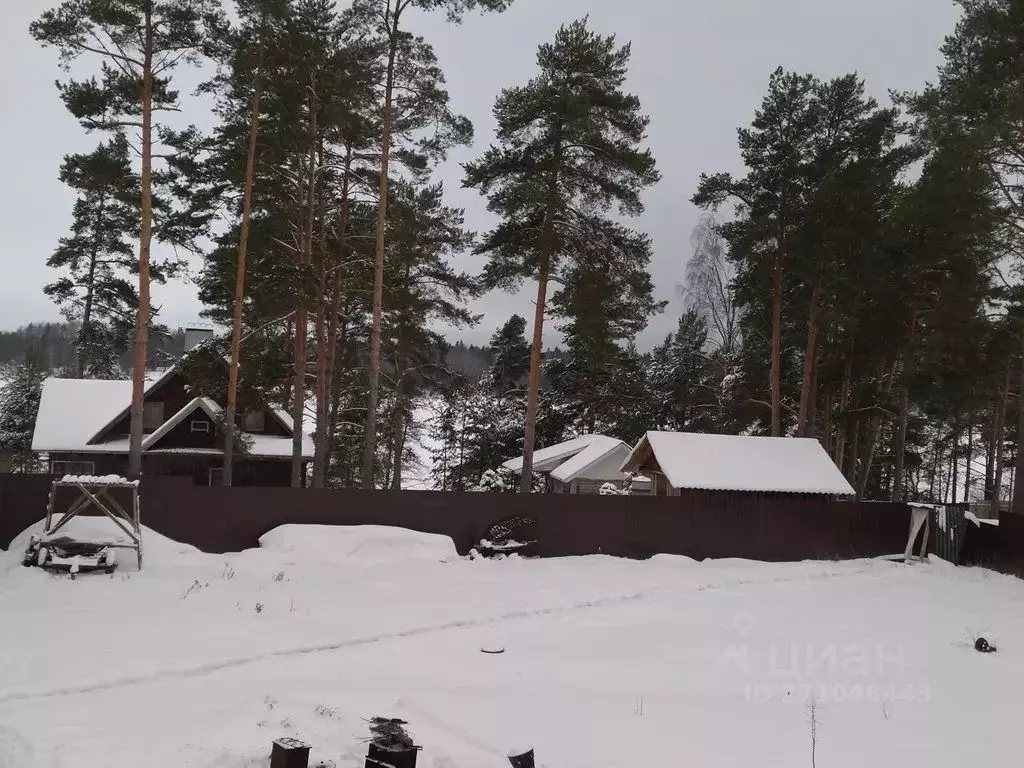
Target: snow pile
[
  {"x": 157, "y": 549},
  {"x": 356, "y": 545}
]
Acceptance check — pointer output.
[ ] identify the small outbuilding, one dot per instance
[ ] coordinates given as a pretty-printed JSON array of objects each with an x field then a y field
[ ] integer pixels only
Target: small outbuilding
[
  {"x": 685, "y": 463},
  {"x": 581, "y": 465}
]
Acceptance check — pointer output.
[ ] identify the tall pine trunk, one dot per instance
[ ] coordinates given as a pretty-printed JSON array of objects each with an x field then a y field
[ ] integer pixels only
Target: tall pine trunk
[
  {"x": 997, "y": 442},
  {"x": 1018, "y": 482},
  {"x": 812, "y": 408},
  {"x": 243, "y": 247},
  {"x": 899, "y": 448},
  {"x": 90, "y": 285},
  {"x": 326, "y": 422},
  {"x": 853, "y": 453},
  {"x": 301, "y": 320},
  {"x": 844, "y": 397},
  {"x": 543, "y": 273},
  {"x": 826, "y": 427},
  {"x": 970, "y": 456},
  {"x": 804, "y": 426},
  {"x": 775, "y": 375},
  {"x": 398, "y": 420},
  {"x": 319, "y": 459},
  {"x": 145, "y": 240},
  {"x": 370, "y": 446}
]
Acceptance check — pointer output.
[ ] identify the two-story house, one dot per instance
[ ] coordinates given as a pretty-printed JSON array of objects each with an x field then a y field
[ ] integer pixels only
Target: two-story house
[{"x": 83, "y": 428}]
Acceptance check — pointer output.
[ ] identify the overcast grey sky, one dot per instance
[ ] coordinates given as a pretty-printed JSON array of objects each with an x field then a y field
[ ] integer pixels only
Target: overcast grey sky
[{"x": 700, "y": 69}]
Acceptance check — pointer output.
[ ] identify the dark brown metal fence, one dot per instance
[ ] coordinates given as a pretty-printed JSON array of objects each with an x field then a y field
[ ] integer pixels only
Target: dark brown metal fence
[
  {"x": 698, "y": 524},
  {"x": 999, "y": 547}
]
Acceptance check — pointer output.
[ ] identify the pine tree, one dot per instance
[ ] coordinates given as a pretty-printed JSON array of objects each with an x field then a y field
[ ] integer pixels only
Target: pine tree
[
  {"x": 19, "y": 404},
  {"x": 96, "y": 259},
  {"x": 568, "y": 152},
  {"x": 410, "y": 71},
  {"x": 421, "y": 289},
  {"x": 138, "y": 43},
  {"x": 605, "y": 303},
  {"x": 775, "y": 150}
]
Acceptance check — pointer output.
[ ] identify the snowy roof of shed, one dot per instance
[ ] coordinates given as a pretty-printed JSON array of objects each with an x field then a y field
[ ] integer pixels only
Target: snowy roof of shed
[
  {"x": 598, "y": 449},
  {"x": 741, "y": 463},
  {"x": 577, "y": 454}
]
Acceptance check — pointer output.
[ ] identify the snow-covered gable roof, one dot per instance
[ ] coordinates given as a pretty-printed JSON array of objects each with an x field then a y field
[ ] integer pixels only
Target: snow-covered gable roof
[
  {"x": 204, "y": 404},
  {"x": 150, "y": 385},
  {"x": 547, "y": 459},
  {"x": 71, "y": 411},
  {"x": 599, "y": 448},
  {"x": 740, "y": 463}
]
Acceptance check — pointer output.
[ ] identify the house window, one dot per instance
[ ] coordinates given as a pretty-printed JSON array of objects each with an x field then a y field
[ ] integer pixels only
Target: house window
[
  {"x": 200, "y": 425},
  {"x": 62, "y": 468},
  {"x": 152, "y": 415},
  {"x": 254, "y": 421}
]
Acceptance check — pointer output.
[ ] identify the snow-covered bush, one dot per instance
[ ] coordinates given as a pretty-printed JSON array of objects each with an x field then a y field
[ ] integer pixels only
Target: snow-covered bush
[
  {"x": 491, "y": 482},
  {"x": 611, "y": 489}
]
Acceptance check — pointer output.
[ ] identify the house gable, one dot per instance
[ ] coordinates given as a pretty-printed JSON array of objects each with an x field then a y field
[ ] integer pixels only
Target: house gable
[
  {"x": 171, "y": 393},
  {"x": 194, "y": 426},
  {"x": 170, "y": 390}
]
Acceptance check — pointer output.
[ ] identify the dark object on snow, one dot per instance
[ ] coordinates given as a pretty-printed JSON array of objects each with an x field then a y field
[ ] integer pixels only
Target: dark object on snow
[
  {"x": 981, "y": 645},
  {"x": 492, "y": 651},
  {"x": 67, "y": 554},
  {"x": 391, "y": 745},
  {"x": 522, "y": 760},
  {"x": 513, "y": 535},
  {"x": 289, "y": 753}
]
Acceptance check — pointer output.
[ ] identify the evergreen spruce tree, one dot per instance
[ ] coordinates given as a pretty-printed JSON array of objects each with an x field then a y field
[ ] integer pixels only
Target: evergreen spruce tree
[
  {"x": 568, "y": 153},
  {"x": 19, "y": 404},
  {"x": 680, "y": 377},
  {"x": 138, "y": 43},
  {"x": 510, "y": 362}
]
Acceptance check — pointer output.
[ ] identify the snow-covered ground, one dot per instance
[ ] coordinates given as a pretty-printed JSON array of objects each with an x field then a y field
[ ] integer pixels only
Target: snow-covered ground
[{"x": 202, "y": 660}]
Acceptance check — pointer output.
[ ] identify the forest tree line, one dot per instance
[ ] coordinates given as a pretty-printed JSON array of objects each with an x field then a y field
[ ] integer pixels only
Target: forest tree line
[{"x": 858, "y": 283}]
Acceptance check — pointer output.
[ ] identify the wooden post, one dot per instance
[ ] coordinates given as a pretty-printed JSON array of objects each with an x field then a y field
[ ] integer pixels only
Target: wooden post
[{"x": 289, "y": 753}]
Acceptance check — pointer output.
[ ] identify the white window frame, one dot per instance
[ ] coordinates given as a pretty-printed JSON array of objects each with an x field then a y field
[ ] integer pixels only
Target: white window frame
[{"x": 203, "y": 424}]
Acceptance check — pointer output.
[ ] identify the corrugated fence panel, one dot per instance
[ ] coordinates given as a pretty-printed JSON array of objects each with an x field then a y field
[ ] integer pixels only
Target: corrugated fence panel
[{"x": 696, "y": 524}]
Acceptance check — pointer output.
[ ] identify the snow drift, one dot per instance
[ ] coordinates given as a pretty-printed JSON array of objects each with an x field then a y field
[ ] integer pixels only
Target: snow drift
[
  {"x": 157, "y": 549},
  {"x": 357, "y": 545}
]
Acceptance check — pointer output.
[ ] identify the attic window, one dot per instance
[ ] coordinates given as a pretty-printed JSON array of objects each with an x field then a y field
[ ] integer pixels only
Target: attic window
[
  {"x": 254, "y": 421},
  {"x": 152, "y": 415},
  {"x": 200, "y": 425}
]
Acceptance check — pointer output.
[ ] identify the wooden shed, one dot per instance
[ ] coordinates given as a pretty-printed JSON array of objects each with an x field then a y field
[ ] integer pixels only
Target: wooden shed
[{"x": 734, "y": 466}]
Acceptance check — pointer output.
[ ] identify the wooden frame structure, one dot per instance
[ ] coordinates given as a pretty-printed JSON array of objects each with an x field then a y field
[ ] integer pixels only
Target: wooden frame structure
[{"x": 94, "y": 492}]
